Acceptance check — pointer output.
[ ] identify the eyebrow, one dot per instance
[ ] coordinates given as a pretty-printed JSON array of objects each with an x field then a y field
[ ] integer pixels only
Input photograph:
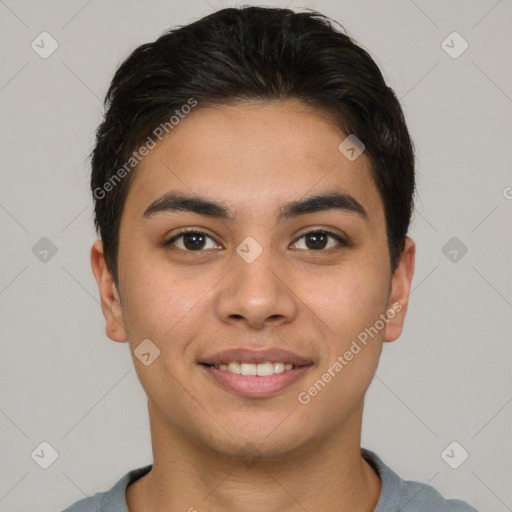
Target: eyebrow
[{"x": 174, "y": 201}]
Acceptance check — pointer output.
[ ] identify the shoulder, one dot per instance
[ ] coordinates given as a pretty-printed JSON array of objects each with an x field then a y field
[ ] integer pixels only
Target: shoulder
[
  {"x": 90, "y": 504},
  {"x": 419, "y": 497},
  {"x": 407, "y": 495},
  {"x": 113, "y": 500}
]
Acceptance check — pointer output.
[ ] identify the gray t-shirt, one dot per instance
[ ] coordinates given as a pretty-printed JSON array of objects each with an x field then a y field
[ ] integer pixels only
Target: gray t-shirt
[{"x": 397, "y": 495}]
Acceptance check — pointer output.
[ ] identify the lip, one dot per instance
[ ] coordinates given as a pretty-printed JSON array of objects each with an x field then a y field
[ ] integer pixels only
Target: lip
[
  {"x": 274, "y": 355},
  {"x": 252, "y": 385}
]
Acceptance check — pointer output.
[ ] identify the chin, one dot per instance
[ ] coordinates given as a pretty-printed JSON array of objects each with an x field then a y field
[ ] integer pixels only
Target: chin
[{"x": 271, "y": 441}]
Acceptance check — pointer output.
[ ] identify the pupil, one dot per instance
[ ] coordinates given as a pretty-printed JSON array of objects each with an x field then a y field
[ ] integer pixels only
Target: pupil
[
  {"x": 199, "y": 240},
  {"x": 316, "y": 237},
  {"x": 314, "y": 240}
]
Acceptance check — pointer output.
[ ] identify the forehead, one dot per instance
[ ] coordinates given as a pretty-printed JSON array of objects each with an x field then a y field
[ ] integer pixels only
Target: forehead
[{"x": 253, "y": 157}]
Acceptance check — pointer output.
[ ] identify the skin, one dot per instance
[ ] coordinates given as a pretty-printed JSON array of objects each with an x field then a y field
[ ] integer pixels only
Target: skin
[{"x": 314, "y": 303}]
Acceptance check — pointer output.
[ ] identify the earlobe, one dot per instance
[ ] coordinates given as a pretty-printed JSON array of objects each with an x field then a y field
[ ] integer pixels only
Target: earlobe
[
  {"x": 400, "y": 289},
  {"x": 110, "y": 299}
]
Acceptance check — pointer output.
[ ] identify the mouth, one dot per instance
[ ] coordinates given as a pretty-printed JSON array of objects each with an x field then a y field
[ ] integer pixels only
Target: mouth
[
  {"x": 261, "y": 369},
  {"x": 255, "y": 374}
]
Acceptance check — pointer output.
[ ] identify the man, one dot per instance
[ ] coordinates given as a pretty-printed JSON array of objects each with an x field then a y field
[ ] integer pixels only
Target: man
[{"x": 253, "y": 182}]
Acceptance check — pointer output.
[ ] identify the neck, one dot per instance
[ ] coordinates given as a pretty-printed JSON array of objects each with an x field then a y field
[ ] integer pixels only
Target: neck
[{"x": 330, "y": 475}]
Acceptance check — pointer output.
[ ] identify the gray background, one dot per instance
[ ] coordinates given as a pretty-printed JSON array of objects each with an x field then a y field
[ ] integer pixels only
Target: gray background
[{"x": 448, "y": 378}]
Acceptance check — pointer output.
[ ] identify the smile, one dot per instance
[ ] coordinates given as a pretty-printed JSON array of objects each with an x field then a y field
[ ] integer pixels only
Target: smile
[
  {"x": 261, "y": 370},
  {"x": 255, "y": 380},
  {"x": 255, "y": 373}
]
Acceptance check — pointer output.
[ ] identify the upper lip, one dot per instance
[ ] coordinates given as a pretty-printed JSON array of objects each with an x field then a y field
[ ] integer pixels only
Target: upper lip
[{"x": 240, "y": 355}]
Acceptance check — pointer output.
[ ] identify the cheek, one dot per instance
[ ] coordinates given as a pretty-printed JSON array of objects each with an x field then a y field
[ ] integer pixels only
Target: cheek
[
  {"x": 348, "y": 300},
  {"x": 165, "y": 307},
  {"x": 349, "y": 307},
  {"x": 161, "y": 304}
]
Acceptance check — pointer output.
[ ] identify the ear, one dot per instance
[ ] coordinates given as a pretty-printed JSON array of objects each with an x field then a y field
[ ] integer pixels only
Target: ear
[
  {"x": 399, "y": 295},
  {"x": 110, "y": 300}
]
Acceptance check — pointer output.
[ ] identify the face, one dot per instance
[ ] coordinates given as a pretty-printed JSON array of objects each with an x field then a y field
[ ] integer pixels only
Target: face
[{"x": 271, "y": 280}]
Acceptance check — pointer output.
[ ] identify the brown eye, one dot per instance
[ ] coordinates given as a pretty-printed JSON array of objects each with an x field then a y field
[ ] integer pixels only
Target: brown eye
[
  {"x": 318, "y": 240},
  {"x": 191, "y": 241}
]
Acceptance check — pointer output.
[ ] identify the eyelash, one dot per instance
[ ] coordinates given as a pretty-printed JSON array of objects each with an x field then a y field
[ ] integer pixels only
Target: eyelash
[{"x": 338, "y": 238}]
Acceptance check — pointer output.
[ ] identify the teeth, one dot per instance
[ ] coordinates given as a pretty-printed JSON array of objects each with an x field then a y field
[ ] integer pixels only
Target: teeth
[
  {"x": 234, "y": 368},
  {"x": 262, "y": 369},
  {"x": 248, "y": 369},
  {"x": 265, "y": 369}
]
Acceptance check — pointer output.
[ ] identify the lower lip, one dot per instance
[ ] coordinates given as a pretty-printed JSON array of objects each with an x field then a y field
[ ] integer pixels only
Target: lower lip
[{"x": 252, "y": 385}]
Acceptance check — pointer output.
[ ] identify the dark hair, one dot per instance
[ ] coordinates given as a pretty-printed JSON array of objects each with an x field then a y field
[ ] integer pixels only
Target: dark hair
[{"x": 252, "y": 53}]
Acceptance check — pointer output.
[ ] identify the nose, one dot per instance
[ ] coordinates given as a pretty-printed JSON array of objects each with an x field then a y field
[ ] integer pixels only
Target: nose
[{"x": 258, "y": 292}]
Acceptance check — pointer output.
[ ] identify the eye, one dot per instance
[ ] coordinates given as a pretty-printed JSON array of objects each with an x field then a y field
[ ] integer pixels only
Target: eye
[
  {"x": 318, "y": 240},
  {"x": 195, "y": 240},
  {"x": 192, "y": 241}
]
